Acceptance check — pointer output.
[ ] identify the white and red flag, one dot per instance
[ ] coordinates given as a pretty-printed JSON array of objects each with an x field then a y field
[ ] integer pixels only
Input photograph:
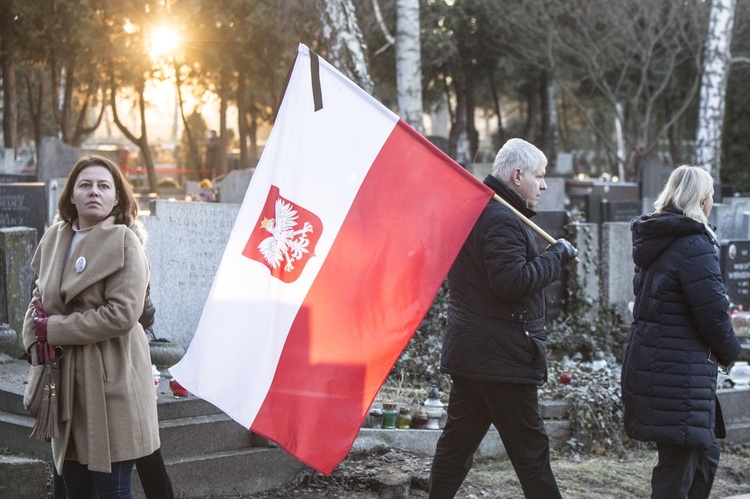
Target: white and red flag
[{"x": 348, "y": 228}]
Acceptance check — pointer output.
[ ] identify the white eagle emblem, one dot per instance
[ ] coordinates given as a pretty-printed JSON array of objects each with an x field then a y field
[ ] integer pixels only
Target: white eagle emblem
[{"x": 284, "y": 244}]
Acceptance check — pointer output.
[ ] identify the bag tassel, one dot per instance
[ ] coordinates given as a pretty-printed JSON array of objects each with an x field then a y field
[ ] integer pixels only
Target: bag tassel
[{"x": 46, "y": 426}]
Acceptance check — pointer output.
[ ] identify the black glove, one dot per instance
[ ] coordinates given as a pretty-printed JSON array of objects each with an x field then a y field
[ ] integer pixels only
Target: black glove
[{"x": 564, "y": 250}]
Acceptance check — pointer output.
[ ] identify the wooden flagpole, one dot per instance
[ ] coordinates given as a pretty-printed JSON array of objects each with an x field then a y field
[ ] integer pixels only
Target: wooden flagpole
[{"x": 531, "y": 224}]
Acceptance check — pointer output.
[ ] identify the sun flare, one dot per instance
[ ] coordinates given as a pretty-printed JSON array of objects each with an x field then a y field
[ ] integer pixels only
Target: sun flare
[{"x": 164, "y": 41}]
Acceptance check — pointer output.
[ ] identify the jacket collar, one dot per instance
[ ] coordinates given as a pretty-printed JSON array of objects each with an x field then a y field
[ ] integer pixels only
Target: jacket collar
[{"x": 510, "y": 195}]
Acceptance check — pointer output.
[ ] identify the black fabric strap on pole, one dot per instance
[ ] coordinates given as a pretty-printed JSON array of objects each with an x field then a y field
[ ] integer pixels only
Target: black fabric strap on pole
[{"x": 315, "y": 75}]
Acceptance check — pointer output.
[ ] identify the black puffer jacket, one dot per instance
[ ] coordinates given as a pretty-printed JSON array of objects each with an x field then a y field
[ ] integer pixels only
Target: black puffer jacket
[
  {"x": 496, "y": 317},
  {"x": 680, "y": 330}
]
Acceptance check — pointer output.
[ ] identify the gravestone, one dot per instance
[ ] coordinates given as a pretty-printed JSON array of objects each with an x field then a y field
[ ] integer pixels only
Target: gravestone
[
  {"x": 55, "y": 188},
  {"x": 186, "y": 242},
  {"x": 233, "y": 187},
  {"x": 553, "y": 223},
  {"x": 17, "y": 246},
  {"x": 585, "y": 237},
  {"x": 732, "y": 218},
  {"x": 553, "y": 199},
  {"x": 620, "y": 211},
  {"x": 564, "y": 163},
  {"x": 735, "y": 270},
  {"x": 22, "y": 204},
  {"x": 653, "y": 176},
  {"x": 56, "y": 159},
  {"x": 617, "y": 266}
]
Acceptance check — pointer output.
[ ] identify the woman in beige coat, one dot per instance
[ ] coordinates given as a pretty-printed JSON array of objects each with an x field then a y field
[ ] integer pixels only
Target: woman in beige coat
[{"x": 92, "y": 277}]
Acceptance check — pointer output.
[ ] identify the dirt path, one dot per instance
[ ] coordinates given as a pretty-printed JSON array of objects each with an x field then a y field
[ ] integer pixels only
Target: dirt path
[{"x": 393, "y": 474}]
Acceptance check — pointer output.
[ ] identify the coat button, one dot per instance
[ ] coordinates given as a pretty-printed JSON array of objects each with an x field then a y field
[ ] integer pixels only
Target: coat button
[{"x": 527, "y": 333}]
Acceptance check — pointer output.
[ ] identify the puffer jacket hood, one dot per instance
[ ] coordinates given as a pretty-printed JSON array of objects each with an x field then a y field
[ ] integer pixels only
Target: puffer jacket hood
[{"x": 654, "y": 233}]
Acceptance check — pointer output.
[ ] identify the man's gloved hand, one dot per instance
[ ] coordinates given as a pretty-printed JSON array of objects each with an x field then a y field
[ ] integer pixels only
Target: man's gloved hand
[{"x": 564, "y": 249}]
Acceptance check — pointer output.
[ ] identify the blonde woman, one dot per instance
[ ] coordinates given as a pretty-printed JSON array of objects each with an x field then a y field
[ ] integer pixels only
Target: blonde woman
[{"x": 681, "y": 333}]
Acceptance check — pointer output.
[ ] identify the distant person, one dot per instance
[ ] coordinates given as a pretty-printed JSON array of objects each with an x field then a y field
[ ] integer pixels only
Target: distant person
[
  {"x": 495, "y": 341},
  {"x": 206, "y": 191},
  {"x": 680, "y": 336},
  {"x": 91, "y": 283},
  {"x": 212, "y": 152}
]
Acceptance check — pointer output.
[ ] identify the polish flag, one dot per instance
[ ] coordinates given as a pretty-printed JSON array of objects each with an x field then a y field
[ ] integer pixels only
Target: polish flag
[{"x": 348, "y": 228}]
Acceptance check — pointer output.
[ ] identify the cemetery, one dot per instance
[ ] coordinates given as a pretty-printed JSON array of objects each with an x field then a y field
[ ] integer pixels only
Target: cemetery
[{"x": 185, "y": 246}]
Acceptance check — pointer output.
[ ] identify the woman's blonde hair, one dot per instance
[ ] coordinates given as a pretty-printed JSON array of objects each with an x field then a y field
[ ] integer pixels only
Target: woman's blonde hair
[{"x": 685, "y": 189}]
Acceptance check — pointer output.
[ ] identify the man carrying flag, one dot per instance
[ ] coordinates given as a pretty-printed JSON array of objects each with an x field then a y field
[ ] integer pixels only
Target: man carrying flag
[
  {"x": 348, "y": 228},
  {"x": 495, "y": 343}
]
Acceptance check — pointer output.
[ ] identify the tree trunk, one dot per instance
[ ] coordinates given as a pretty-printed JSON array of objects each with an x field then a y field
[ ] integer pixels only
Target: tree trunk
[
  {"x": 409, "y": 63},
  {"x": 242, "y": 118},
  {"x": 10, "y": 103},
  {"x": 192, "y": 145},
  {"x": 34, "y": 96},
  {"x": 716, "y": 60},
  {"x": 346, "y": 46},
  {"x": 142, "y": 141},
  {"x": 529, "y": 131},
  {"x": 224, "y": 82}
]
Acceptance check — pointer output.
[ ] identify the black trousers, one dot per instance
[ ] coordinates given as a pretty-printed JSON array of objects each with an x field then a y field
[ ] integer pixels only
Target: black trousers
[
  {"x": 151, "y": 471},
  {"x": 514, "y": 410},
  {"x": 684, "y": 471}
]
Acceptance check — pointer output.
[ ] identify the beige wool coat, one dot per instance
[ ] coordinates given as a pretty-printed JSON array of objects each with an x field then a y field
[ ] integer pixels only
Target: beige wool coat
[{"x": 107, "y": 401}]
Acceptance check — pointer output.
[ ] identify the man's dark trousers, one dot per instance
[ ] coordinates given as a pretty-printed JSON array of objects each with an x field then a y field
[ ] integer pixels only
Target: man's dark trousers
[{"x": 514, "y": 410}]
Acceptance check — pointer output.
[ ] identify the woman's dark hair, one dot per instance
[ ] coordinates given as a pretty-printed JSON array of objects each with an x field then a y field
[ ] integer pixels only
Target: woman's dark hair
[{"x": 126, "y": 210}]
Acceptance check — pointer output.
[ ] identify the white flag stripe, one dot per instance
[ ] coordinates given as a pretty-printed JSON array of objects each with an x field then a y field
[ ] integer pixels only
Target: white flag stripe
[{"x": 239, "y": 298}]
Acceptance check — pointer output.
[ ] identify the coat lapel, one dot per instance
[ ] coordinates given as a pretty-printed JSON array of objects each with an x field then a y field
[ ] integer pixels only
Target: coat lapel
[{"x": 96, "y": 256}]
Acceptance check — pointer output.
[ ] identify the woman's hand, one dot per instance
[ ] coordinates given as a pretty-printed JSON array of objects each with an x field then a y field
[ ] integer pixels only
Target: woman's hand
[
  {"x": 40, "y": 322},
  {"x": 45, "y": 351}
]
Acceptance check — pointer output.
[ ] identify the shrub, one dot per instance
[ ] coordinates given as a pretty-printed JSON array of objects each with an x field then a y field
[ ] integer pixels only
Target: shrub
[{"x": 595, "y": 405}]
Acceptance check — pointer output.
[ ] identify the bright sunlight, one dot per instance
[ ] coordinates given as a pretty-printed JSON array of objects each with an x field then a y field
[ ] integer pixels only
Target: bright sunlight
[{"x": 163, "y": 42}]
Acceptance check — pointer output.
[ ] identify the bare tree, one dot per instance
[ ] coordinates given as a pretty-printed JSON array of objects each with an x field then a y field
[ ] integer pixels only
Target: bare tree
[
  {"x": 716, "y": 61},
  {"x": 640, "y": 59}
]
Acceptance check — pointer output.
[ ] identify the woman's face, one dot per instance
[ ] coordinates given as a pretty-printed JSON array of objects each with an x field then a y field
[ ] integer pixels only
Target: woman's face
[
  {"x": 94, "y": 195},
  {"x": 707, "y": 203}
]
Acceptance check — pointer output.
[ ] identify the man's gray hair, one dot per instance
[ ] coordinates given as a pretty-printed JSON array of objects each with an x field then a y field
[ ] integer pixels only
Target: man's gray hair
[{"x": 517, "y": 153}]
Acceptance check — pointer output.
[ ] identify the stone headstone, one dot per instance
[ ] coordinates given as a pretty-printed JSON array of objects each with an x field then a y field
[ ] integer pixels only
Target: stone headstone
[
  {"x": 564, "y": 163},
  {"x": 186, "y": 242},
  {"x": 617, "y": 266},
  {"x": 620, "y": 211},
  {"x": 56, "y": 159},
  {"x": 553, "y": 223},
  {"x": 653, "y": 176},
  {"x": 17, "y": 246},
  {"x": 585, "y": 237},
  {"x": 479, "y": 170},
  {"x": 233, "y": 187},
  {"x": 23, "y": 204},
  {"x": 553, "y": 199},
  {"x": 732, "y": 218},
  {"x": 54, "y": 190},
  {"x": 735, "y": 270}
]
